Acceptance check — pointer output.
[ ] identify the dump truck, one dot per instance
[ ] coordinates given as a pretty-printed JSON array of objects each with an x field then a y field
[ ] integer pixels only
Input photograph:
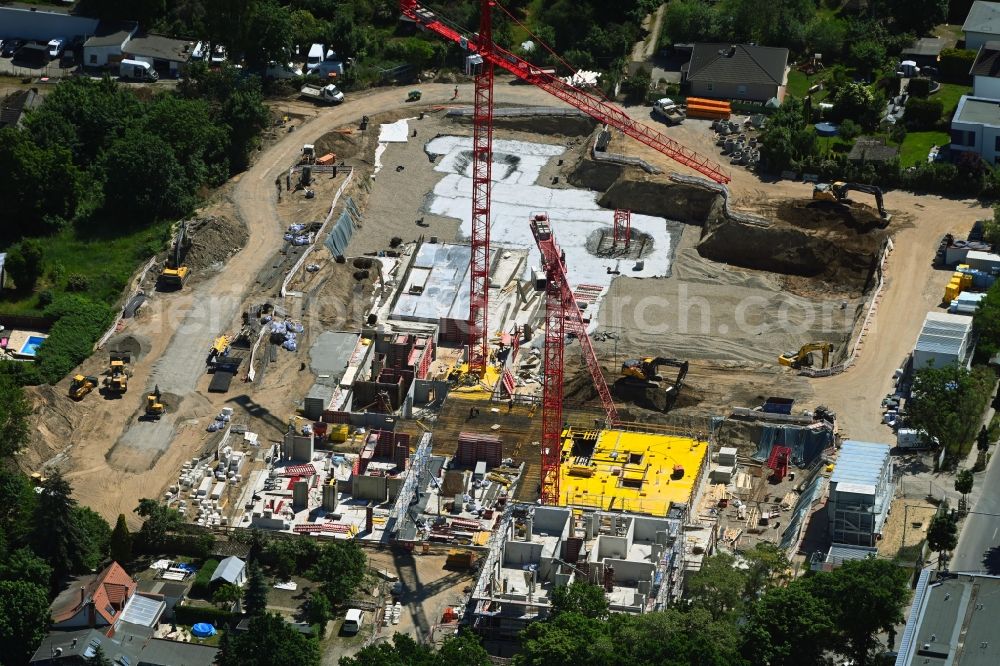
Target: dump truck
[
  {"x": 81, "y": 386},
  {"x": 117, "y": 380},
  {"x": 175, "y": 273},
  {"x": 328, "y": 94},
  {"x": 154, "y": 404},
  {"x": 803, "y": 357}
]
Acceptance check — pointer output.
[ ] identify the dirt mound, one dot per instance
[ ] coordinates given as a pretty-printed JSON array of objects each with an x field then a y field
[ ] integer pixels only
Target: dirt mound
[
  {"x": 55, "y": 417},
  {"x": 134, "y": 345},
  {"x": 213, "y": 241},
  {"x": 539, "y": 124},
  {"x": 838, "y": 245},
  {"x": 345, "y": 145},
  {"x": 675, "y": 201}
]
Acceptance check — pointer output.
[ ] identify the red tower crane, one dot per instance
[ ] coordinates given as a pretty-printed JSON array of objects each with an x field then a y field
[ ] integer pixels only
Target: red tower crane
[
  {"x": 600, "y": 109},
  {"x": 562, "y": 316}
]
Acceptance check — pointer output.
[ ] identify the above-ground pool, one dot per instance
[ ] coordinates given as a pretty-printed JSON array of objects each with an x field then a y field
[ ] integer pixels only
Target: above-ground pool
[{"x": 31, "y": 345}]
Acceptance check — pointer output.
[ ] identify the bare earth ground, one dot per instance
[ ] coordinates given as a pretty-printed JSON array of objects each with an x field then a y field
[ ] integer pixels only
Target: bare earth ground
[{"x": 178, "y": 327}]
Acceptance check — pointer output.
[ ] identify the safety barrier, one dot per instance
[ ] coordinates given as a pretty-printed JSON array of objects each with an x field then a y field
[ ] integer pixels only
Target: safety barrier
[{"x": 128, "y": 299}]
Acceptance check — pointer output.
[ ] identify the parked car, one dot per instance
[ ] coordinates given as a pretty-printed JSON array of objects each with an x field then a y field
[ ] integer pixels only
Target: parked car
[
  {"x": 56, "y": 47},
  {"x": 353, "y": 620},
  {"x": 10, "y": 46}
]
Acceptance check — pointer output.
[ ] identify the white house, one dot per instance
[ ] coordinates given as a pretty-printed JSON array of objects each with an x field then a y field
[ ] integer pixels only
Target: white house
[
  {"x": 985, "y": 71},
  {"x": 106, "y": 47},
  {"x": 231, "y": 570},
  {"x": 982, "y": 24},
  {"x": 975, "y": 127},
  {"x": 944, "y": 340}
]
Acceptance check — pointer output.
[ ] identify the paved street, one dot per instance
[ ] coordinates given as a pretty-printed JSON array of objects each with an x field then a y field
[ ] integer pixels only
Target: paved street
[{"x": 979, "y": 543}]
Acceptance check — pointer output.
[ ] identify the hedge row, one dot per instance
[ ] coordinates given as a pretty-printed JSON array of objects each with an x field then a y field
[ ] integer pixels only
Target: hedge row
[
  {"x": 71, "y": 340},
  {"x": 188, "y": 614}
]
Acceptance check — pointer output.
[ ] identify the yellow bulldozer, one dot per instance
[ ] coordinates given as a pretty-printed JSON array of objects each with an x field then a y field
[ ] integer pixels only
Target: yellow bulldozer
[
  {"x": 117, "y": 380},
  {"x": 175, "y": 273},
  {"x": 803, "y": 357},
  {"x": 154, "y": 404},
  {"x": 81, "y": 386}
]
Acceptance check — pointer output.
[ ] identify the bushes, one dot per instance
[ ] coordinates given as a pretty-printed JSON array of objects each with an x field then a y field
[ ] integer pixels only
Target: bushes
[
  {"x": 201, "y": 588},
  {"x": 189, "y": 614},
  {"x": 71, "y": 339},
  {"x": 955, "y": 64},
  {"x": 923, "y": 114},
  {"x": 919, "y": 87}
]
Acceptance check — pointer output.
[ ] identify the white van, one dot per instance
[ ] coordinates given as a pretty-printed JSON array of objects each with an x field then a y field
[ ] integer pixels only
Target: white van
[
  {"x": 137, "y": 70},
  {"x": 353, "y": 620},
  {"x": 316, "y": 53}
]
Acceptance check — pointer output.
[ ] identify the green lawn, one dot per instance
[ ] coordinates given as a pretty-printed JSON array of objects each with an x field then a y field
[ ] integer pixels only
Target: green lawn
[
  {"x": 107, "y": 262},
  {"x": 949, "y": 95},
  {"x": 916, "y": 145},
  {"x": 798, "y": 83}
]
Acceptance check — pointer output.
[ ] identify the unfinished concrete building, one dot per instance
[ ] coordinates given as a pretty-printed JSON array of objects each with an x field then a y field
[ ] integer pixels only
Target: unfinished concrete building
[{"x": 536, "y": 548}]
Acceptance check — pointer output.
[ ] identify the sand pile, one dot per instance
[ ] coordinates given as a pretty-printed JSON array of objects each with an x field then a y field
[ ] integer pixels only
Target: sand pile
[{"x": 213, "y": 241}]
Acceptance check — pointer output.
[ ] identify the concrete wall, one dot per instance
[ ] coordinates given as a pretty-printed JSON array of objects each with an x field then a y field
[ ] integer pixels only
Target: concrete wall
[
  {"x": 298, "y": 447},
  {"x": 630, "y": 572},
  {"x": 22, "y": 23},
  {"x": 974, "y": 40},
  {"x": 986, "y": 86},
  {"x": 609, "y": 547},
  {"x": 370, "y": 488},
  {"x": 516, "y": 553},
  {"x": 552, "y": 520}
]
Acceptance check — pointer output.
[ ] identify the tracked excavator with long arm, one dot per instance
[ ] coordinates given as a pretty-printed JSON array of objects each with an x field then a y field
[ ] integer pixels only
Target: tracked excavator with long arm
[
  {"x": 837, "y": 193},
  {"x": 641, "y": 382},
  {"x": 804, "y": 356}
]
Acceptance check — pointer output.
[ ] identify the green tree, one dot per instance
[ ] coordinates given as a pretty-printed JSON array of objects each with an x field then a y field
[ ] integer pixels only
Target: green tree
[
  {"x": 23, "y": 564},
  {"x": 567, "y": 639},
  {"x": 857, "y": 102},
  {"x": 159, "y": 519},
  {"x": 767, "y": 566},
  {"x": 24, "y": 619},
  {"x": 826, "y": 35},
  {"x": 636, "y": 87},
  {"x": 462, "y": 650},
  {"x": 57, "y": 537},
  {"x": 942, "y": 534},
  {"x": 320, "y": 610},
  {"x": 718, "y": 587},
  {"x": 963, "y": 483},
  {"x": 24, "y": 263},
  {"x": 983, "y": 440},
  {"x": 98, "y": 658},
  {"x": 690, "y": 21},
  {"x": 14, "y": 413},
  {"x": 788, "y": 626},
  {"x": 270, "y": 33},
  {"x": 948, "y": 402},
  {"x": 339, "y": 570},
  {"x": 580, "y": 597},
  {"x": 25, "y": 164},
  {"x": 96, "y": 535},
  {"x": 144, "y": 180},
  {"x": 922, "y": 114},
  {"x": 866, "y": 55},
  {"x": 269, "y": 641},
  {"x": 676, "y": 638},
  {"x": 255, "y": 594},
  {"x": 121, "y": 541},
  {"x": 917, "y": 16},
  {"x": 849, "y": 129},
  {"x": 226, "y": 595},
  {"x": 986, "y": 320},
  {"x": 17, "y": 501},
  {"x": 867, "y": 597},
  {"x": 402, "y": 651}
]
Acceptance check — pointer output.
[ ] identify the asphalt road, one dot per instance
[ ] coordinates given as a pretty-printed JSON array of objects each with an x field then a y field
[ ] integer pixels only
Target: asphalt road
[{"x": 979, "y": 543}]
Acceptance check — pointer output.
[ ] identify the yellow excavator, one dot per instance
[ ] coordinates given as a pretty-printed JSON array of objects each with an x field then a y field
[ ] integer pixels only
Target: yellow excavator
[
  {"x": 647, "y": 370},
  {"x": 117, "y": 380},
  {"x": 804, "y": 356},
  {"x": 154, "y": 404},
  {"x": 174, "y": 273},
  {"x": 81, "y": 386},
  {"x": 837, "y": 193}
]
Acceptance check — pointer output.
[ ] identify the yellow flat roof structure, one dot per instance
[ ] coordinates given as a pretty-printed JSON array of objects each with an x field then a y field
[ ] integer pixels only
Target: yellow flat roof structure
[{"x": 629, "y": 471}]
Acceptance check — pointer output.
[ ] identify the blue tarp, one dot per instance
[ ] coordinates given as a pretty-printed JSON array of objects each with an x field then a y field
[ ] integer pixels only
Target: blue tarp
[
  {"x": 202, "y": 630},
  {"x": 806, "y": 445}
]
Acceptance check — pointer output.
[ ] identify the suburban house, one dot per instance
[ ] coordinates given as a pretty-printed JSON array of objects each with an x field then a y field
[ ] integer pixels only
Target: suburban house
[
  {"x": 104, "y": 600},
  {"x": 131, "y": 645},
  {"x": 107, "y": 46},
  {"x": 740, "y": 71},
  {"x": 231, "y": 570},
  {"x": 982, "y": 24},
  {"x": 975, "y": 127},
  {"x": 985, "y": 71},
  {"x": 168, "y": 56}
]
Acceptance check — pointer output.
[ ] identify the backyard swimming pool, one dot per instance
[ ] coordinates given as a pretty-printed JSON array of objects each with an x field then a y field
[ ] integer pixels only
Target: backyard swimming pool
[{"x": 30, "y": 347}]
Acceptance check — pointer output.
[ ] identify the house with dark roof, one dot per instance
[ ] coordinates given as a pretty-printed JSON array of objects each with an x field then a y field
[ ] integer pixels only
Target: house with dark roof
[
  {"x": 982, "y": 24},
  {"x": 736, "y": 71},
  {"x": 985, "y": 71},
  {"x": 105, "y": 48},
  {"x": 131, "y": 645},
  {"x": 168, "y": 56},
  {"x": 925, "y": 51},
  {"x": 13, "y": 107}
]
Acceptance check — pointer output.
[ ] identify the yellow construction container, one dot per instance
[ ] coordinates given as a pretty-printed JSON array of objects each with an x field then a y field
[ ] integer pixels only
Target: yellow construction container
[
  {"x": 966, "y": 280},
  {"x": 339, "y": 433}
]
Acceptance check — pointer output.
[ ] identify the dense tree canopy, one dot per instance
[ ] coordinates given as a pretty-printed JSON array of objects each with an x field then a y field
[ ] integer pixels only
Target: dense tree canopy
[
  {"x": 269, "y": 641},
  {"x": 24, "y": 619},
  {"x": 340, "y": 569},
  {"x": 948, "y": 402}
]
